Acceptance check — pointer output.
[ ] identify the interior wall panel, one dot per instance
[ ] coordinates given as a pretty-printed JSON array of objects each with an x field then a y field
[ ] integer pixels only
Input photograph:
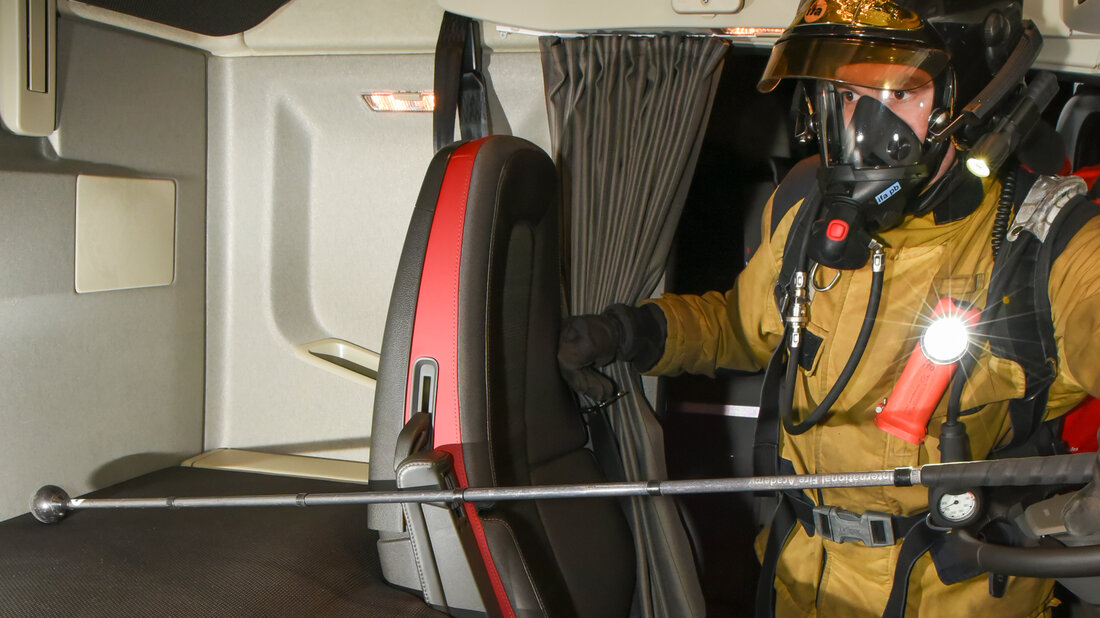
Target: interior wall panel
[
  {"x": 96, "y": 388},
  {"x": 310, "y": 195}
]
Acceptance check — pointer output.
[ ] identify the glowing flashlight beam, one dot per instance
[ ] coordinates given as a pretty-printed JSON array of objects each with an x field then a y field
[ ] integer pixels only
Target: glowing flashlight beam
[
  {"x": 978, "y": 167},
  {"x": 945, "y": 340}
]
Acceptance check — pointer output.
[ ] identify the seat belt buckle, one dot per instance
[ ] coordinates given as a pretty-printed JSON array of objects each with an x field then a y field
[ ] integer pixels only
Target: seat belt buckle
[{"x": 872, "y": 528}]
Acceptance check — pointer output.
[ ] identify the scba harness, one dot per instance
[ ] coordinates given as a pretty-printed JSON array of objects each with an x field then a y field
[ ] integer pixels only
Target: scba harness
[{"x": 1049, "y": 211}]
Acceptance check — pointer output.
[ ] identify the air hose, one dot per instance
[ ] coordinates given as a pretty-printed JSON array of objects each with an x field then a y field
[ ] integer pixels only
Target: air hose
[
  {"x": 954, "y": 441},
  {"x": 1004, "y": 211},
  {"x": 786, "y": 399},
  {"x": 1047, "y": 562}
]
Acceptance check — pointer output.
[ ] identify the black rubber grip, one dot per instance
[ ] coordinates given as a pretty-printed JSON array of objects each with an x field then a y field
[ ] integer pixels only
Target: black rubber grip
[{"x": 1053, "y": 470}]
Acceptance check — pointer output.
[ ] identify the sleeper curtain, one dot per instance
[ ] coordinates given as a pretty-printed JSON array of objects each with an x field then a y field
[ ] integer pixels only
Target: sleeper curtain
[{"x": 627, "y": 118}]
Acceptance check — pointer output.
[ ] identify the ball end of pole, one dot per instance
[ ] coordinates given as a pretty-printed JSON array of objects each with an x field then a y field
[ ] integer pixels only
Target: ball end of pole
[{"x": 50, "y": 504}]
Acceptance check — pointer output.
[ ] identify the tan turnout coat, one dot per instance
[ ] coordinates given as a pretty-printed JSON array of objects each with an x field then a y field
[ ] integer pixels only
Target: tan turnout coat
[{"x": 924, "y": 261}]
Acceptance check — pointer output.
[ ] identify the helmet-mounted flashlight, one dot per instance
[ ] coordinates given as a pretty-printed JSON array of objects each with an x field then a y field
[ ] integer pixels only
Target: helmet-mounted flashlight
[{"x": 991, "y": 151}]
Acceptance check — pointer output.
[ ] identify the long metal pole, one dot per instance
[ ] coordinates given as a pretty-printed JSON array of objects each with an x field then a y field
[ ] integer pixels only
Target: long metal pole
[{"x": 51, "y": 503}]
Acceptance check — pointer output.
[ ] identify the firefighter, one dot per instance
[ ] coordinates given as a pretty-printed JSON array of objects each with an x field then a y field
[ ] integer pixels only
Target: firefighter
[{"x": 893, "y": 206}]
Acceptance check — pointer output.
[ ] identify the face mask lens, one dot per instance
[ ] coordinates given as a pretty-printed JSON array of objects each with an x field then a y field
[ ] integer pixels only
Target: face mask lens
[{"x": 863, "y": 132}]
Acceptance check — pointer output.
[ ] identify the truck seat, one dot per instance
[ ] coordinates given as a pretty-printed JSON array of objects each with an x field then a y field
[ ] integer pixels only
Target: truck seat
[
  {"x": 1079, "y": 124},
  {"x": 469, "y": 395}
]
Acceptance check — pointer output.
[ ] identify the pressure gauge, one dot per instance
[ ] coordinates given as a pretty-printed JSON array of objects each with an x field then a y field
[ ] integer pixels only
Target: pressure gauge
[{"x": 956, "y": 509}]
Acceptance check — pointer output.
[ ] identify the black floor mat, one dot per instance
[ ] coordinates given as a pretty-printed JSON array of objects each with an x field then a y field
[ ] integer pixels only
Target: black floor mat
[{"x": 283, "y": 561}]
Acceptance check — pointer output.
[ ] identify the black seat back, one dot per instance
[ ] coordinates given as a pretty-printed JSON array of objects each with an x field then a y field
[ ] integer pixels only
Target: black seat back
[
  {"x": 1079, "y": 126},
  {"x": 471, "y": 340}
]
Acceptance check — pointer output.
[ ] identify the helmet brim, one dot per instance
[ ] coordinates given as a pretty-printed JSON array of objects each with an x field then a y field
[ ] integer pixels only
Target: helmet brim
[{"x": 832, "y": 59}]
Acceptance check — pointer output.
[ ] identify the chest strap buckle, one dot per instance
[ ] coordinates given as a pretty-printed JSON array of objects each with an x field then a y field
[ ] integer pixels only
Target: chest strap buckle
[{"x": 872, "y": 528}]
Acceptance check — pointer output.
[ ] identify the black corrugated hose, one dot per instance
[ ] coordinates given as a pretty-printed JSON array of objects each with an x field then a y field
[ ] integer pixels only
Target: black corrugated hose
[
  {"x": 786, "y": 399},
  {"x": 1004, "y": 210}
]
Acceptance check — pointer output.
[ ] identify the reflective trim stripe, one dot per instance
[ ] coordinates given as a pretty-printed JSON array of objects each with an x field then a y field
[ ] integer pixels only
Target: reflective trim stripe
[{"x": 717, "y": 409}]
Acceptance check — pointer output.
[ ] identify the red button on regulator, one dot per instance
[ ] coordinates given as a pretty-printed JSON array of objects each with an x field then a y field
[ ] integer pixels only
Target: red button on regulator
[{"x": 837, "y": 230}]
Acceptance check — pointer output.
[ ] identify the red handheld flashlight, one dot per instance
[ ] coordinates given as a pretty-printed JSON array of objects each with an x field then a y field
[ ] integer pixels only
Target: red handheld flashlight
[{"x": 926, "y": 374}]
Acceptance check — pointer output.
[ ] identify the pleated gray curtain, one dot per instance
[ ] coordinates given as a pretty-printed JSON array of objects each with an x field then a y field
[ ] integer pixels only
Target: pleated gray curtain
[{"x": 627, "y": 118}]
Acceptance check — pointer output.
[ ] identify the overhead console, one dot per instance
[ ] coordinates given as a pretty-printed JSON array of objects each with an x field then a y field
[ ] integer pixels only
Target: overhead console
[
  {"x": 28, "y": 46},
  {"x": 580, "y": 15},
  {"x": 1071, "y": 29},
  {"x": 274, "y": 27},
  {"x": 208, "y": 17}
]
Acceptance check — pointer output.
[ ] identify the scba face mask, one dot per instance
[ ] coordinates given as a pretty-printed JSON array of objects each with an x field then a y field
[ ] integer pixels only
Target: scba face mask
[{"x": 874, "y": 166}]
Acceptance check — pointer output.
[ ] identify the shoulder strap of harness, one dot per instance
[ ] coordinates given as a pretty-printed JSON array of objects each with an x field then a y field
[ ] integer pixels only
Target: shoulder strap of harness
[
  {"x": 794, "y": 186},
  {"x": 799, "y": 184},
  {"x": 1018, "y": 314}
]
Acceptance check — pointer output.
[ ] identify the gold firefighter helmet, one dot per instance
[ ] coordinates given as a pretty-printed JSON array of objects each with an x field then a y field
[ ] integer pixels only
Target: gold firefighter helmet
[{"x": 829, "y": 35}]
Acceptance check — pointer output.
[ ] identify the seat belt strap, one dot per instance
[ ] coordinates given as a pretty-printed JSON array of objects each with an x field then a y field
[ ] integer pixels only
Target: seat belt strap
[{"x": 459, "y": 84}]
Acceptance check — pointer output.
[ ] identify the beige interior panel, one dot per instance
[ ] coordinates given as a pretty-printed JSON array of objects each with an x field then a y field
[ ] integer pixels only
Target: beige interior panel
[
  {"x": 347, "y": 26},
  {"x": 280, "y": 464},
  {"x": 125, "y": 233},
  {"x": 342, "y": 358},
  {"x": 310, "y": 196},
  {"x": 100, "y": 388}
]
